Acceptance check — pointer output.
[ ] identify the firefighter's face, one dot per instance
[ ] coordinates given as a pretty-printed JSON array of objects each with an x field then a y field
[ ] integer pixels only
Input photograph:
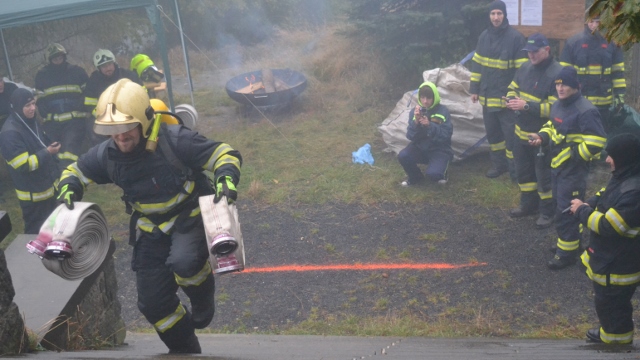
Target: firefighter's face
[
  {"x": 29, "y": 109},
  {"x": 127, "y": 141},
  {"x": 609, "y": 161},
  {"x": 538, "y": 56},
  {"x": 496, "y": 17},
  {"x": 107, "y": 69},
  {"x": 58, "y": 59},
  {"x": 565, "y": 91}
]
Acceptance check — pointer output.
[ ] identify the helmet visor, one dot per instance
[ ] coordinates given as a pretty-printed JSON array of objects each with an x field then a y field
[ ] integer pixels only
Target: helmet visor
[{"x": 113, "y": 128}]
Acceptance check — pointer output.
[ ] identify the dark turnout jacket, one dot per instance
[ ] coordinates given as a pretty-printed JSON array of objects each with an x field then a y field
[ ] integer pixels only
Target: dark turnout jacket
[
  {"x": 498, "y": 54},
  {"x": 534, "y": 84},
  {"x": 437, "y": 136},
  {"x": 613, "y": 216},
  {"x": 61, "y": 88}
]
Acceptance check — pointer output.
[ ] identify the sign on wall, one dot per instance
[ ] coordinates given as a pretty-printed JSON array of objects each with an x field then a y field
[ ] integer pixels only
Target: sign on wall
[{"x": 556, "y": 19}]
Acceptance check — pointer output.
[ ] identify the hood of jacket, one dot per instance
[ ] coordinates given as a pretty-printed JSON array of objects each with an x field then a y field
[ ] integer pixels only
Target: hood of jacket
[{"x": 436, "y": 94}]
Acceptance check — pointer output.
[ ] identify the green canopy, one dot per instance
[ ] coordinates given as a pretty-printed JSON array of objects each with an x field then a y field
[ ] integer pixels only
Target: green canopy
[{"x": 24, "y": 12}]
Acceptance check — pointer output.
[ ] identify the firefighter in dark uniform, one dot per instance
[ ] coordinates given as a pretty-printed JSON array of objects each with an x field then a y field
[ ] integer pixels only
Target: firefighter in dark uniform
[
  {"x": 530, "y": 96},
  {"x": 32, "y": 160},
  {"x": 106, "y": 74},
  {"x": 498, "y": 54},
  {"x": 600, "y": 66},
  {"x": 611, "y": 260},
  {"x": 576, "y": 137},
  {"x": 429, "y": 130},
  {"x": 170, "y": 251},
  {"x": 61, "y": 103}
]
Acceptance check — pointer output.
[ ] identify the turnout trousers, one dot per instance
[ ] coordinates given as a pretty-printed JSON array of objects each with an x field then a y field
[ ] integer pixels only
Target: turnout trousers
[
  {"x": 437, "y": 162},
  {"x": 34, "y": 213},
  {"x": 70, "y": 134},
  {"x": 615, "y": 312},
  {"x": 534, "y": 174},
  {"x": 569, "y": 182},
  {"x": 162, "y": 264},
  {"x": 500, "y": 127}
]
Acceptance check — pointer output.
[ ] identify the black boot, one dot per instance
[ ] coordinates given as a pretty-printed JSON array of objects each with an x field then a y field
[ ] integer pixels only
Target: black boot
[
  {"x": 202, "y": 302},
  {"x": 190, "y": 346},
  {"x": 561, "y": 262},
  {"x": 593, "y": 335},
  {"x": 499, "y": 164},
  {"x": 528, "y": 205},
  {"x": 181, "y": 338},
  {"x": 547, "y": 214}
]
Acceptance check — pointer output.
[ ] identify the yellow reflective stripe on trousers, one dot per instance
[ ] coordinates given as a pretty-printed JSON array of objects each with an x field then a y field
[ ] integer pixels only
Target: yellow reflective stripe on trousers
[
  {"x": 626, "y": 338},
  {"x": 168, "y": 322},
  {"x": 528, "y": 187},
  {"x": 498, "y": 146},
  {"x": 522, "y": 135},
  {"x": 197, "y": 279},
  {"x": 545, "y": 195},
  {"x": 36, "y": 196},
  {"x": 568, "y": 245}
]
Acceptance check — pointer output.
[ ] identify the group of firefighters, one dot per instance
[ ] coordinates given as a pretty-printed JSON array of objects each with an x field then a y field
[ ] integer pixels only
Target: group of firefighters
[{"x": 162, "y": 184}]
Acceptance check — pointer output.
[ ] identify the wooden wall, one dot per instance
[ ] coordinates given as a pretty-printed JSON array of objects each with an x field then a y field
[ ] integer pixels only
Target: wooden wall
[{"x": 561, "y": 19}]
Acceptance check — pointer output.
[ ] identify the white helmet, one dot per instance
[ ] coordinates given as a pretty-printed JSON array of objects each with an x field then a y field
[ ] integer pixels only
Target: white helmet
[{"x": 103, "y": 56}]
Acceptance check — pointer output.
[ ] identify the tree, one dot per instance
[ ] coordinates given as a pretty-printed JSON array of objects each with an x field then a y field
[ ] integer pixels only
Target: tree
[{"x": 619, "y": 20}]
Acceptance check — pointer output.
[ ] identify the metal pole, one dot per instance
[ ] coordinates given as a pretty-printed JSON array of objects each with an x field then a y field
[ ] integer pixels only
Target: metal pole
[
  {"x": 156, "y": 20},
  {"x": 6, "y": 55},
  {"x": 184, "y": 52}
]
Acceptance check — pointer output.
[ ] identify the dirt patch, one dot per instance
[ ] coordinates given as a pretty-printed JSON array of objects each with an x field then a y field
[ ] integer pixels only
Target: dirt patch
[{"x": 510, "y": 285}]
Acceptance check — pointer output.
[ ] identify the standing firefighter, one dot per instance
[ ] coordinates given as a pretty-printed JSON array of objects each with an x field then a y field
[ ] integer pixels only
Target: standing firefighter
[
  {"x": 600, "y": 66},
  {"x": 107, "y": 73},
  {"x": 611, "y": 260},
  {"x": 498, "y": 54},
  {"x": 170, "y": 250},
  {"x": 32, "y": 161},
  {"x": 576, "y": 138},
  {"x": 530, "y": 96},
  {"x": 61, "y": 103}
]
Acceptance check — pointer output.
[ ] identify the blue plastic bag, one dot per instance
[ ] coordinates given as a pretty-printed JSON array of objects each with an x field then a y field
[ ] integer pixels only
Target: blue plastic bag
[{"x": 363, "y": 155}]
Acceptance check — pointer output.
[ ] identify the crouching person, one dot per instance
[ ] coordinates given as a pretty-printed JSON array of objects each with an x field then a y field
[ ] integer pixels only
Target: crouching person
[
  {"x": 429, "y": 131},
  {"x": 161, "y": 190}
]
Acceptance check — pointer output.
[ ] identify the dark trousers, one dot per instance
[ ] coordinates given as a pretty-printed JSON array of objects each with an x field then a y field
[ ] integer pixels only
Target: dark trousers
[
  {"x": 569, "y": 182},
  {"x": 70, "y": 134},
  {"x": 500, "y": 128},
  {"x": 411, "y": 156},
  {"x": 534, "y": 174},
  {"x": 157, "y": 260},
  {"x": 614, "y": 309},
  {"x": 34, "y": 214}
]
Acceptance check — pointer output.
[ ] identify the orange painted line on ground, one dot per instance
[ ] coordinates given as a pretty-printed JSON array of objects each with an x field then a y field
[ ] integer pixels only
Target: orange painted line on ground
[{"x": 358, "y": 267}]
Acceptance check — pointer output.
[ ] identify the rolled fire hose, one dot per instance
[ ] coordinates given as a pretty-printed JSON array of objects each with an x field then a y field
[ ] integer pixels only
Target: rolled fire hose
[
  {"x": 85, "y": 229},
  {"x": 224, "y": 237}
]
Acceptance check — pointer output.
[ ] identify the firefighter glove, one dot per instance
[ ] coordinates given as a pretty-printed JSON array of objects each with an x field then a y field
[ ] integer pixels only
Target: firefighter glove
[
  {"x": 67, "y": 196},
  {"x": 225, "y": 187}
]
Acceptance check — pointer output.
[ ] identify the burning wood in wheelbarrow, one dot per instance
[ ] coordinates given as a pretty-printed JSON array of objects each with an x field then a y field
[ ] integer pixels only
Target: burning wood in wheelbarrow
[{"x": 266, "y": 87}]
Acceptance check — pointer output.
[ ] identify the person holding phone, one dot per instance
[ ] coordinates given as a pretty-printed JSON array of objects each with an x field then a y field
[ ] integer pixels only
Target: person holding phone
[{"x": 32, "y": 160}]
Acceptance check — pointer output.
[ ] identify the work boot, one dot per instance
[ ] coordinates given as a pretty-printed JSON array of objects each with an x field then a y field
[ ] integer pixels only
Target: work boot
[
  {"x": 499, "y": 164},
  {"x": 190, "y": 346},
  {"x": 495, "y": 172},
  {"x": 202, "y": 302},
  {"x": 521, "y": 212},
  {"x": 544, "y": 221},
  {"x": 561, "y": 262},
  {"x": 593, "y": 335}
]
